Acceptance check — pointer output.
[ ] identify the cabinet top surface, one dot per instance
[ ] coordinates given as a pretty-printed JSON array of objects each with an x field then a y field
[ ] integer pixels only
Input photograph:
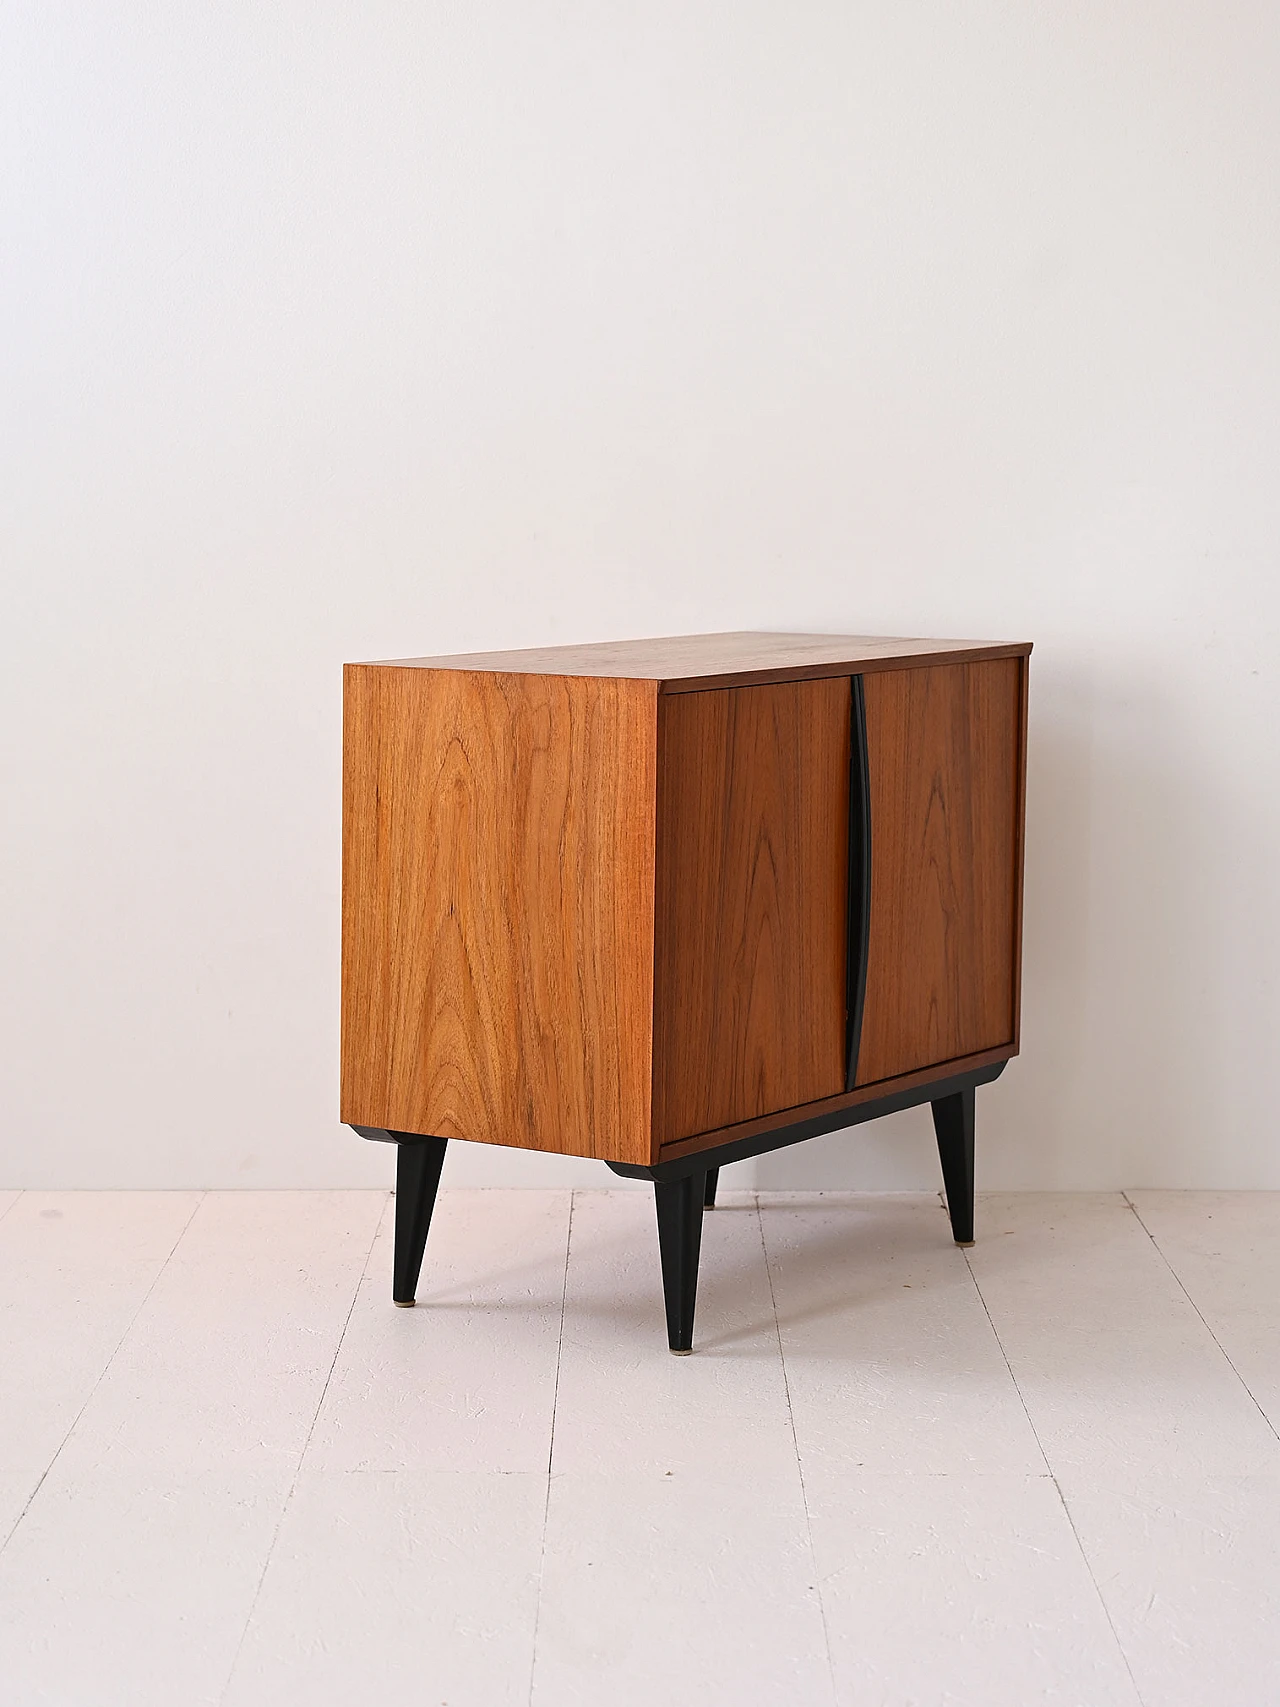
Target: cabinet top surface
[{"x": 685, "y": 662}]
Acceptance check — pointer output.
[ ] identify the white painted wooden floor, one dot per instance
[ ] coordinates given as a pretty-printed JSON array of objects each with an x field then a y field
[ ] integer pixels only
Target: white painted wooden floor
[{"x": 1044, "y": 1470}]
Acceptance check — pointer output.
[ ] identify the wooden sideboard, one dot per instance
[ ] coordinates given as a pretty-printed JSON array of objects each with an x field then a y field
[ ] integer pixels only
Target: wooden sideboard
[{"x": 673, "y": 903}]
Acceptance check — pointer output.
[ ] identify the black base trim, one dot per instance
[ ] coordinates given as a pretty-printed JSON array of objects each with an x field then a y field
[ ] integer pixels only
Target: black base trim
[
  {"x": 380, "y": 1135},
  {"x": 814, "y": 1126}
]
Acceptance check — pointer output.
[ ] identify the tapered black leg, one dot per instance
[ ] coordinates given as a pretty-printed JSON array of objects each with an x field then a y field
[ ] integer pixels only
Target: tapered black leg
[
  {"x": 953, "y": 1123},
  {"x": 418, "y": 1165},
  {"x": 709, "y": 1195},
  {"x": 680, "y": 1204}
]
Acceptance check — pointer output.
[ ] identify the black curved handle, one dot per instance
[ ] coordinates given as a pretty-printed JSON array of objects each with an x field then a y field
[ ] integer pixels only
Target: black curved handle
[{"x": 859, "y": 915}]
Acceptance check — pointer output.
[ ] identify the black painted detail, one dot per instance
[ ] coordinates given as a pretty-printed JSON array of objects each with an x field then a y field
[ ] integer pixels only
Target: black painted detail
[
  {"x": 812, "y": 1127},
  {"x": 859, "y": 914},
  {"x": 685, "y": 1187},
  {"x": 417, "y": 1179},
  {"x": 680, "y": 1204},
  {"x": 953, "y": 1118},
  {"x": 419, "y": 1160},
  {"x": 380, "y": 1135}
]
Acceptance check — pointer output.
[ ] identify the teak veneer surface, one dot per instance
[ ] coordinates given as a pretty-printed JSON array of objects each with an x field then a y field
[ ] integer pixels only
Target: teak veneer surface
[
  {"x": 752, "y": 895},
  {"x": 945, "y": 770},
  {"x": 498, "y": 880},
  {"x": 685, "y": 663}
]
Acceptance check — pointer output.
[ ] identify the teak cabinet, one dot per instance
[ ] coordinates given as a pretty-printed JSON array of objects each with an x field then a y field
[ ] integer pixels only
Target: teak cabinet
[{"x": 677, "y": 902}]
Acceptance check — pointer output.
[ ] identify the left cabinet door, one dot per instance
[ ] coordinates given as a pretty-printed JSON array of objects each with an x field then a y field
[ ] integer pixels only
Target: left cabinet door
[{"x": 751, "y": 903}]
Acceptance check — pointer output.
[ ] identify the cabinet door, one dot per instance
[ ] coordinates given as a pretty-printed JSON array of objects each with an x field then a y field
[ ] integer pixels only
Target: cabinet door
[
  {"x": 944, "y": 768},
  {"x": 751, "y": 902}
]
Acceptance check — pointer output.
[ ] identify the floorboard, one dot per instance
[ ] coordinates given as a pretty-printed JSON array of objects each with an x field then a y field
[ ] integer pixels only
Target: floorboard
[
  {"x": 132, "y": 1574},
  {"x": 1043, "y": 1470},
  {"x": 75, "y": 1268},
  {"x": 1224, "y": 1248}
]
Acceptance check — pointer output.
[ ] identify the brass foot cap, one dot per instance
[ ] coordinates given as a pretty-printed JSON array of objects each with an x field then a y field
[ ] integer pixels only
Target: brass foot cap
[
  {"x": 965, "y": 1244},
  {"x": 687, "y": 1352},
  {"x": 404, "y": 1303}
]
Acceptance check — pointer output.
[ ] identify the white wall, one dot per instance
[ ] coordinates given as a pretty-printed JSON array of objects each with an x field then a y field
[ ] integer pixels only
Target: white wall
[{"x": 358, "y": 331}]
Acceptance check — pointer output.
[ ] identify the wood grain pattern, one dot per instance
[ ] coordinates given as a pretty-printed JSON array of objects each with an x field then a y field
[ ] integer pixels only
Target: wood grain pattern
[
  {"x": 498, "y": 871},
  {"x": 689, "y": 663},
  {"x": 944, "y": 750},
  {"x": 749, "y": 973}
]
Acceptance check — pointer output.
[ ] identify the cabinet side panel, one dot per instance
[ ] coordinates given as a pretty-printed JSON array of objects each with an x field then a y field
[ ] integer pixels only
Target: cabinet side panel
[
  {"x": 752, "y": 898},
  {"x": 497, "y": 953},
  {"x": 944, "y": 764}
]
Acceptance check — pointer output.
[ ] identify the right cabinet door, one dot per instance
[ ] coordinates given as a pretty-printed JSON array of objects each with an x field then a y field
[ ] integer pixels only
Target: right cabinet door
[{"x": 944, "y": 776}]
